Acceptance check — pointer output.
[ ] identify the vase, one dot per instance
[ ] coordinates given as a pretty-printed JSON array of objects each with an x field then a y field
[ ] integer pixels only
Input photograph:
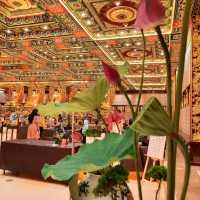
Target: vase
[{"x": 92, "y": 181}]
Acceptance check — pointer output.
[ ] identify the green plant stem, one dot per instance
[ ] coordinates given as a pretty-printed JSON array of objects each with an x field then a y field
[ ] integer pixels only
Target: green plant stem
[
  {"x": 102, "y": 118},
  {"x": 185, "y": 151},
  {"x": 168, "y": 69},
  {"x": 128, "y": 99},
  {"x": 170, "y": 145},
  {"x": 179, "y": 84},
  {"x": 117, "y": 127},
  {"x": 157, "y": 191},
  {"x": 142, "y": 74},
  {"x": 135, "y": 142}
]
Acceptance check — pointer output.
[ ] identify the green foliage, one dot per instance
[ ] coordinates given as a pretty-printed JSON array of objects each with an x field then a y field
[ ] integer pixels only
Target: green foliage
[
  {"x": 93, "y": 157},
  {"x": 93, "y": 132},
  {"x": 157, "y": 173},
  {"x": 85, "y": 101},
  {"x": 153, "y": 120},
  {"x": 123, "y": 69},
  {"x": 89, "y": 99},
  {"x": 51, "y": 109},
  {"x": 111, "y": 178}
]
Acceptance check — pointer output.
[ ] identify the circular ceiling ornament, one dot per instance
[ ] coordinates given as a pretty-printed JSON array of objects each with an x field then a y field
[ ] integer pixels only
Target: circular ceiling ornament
[
  {"x": 135, "y": 53},
  {"x": 120, "y": 13}
]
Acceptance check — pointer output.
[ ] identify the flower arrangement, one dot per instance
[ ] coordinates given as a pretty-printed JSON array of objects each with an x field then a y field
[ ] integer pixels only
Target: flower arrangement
[{"x": 151, "y": 120}]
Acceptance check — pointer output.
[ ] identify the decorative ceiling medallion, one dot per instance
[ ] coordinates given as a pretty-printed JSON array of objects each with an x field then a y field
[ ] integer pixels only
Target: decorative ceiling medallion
[
  {"x": 120, "y": 13},
  {"x": 135, "y": 53}
]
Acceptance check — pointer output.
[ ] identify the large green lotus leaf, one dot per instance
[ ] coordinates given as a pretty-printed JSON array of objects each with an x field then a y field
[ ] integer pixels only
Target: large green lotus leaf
[
  {"x": 92, "y": 157},
  {"x": 85, "y": 101},
  {"x": 90, "y": 99},
  {"x": 123, "y": 69},
  {"x": 153, "y": 120},
  {"x": 51, "y": 109}
]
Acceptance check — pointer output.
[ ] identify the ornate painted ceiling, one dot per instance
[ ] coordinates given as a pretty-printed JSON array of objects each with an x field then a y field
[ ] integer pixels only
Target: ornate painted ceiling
[{"x": 66, "y": 40}]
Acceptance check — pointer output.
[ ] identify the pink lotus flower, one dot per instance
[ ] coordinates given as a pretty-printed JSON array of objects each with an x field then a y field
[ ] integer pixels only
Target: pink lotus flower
[
  {"x": 150, "y": 14},
  {"x": 111, "y": 74},
  {"x": 114, "y": 117}
]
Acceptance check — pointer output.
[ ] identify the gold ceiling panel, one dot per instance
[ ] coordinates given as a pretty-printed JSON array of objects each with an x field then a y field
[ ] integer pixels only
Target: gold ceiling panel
[
  {"x": 105, "y": 19},
  {"x": 67, "y": 40},
  {"x": 16, "y": 8}
]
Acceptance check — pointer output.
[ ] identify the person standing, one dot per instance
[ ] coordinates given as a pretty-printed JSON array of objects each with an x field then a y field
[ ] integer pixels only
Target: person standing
[{"x": 33, "y": 129}]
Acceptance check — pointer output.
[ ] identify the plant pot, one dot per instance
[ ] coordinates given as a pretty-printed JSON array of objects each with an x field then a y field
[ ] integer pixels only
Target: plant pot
[
  {"x": 92, "y": 181},
  {"x": 90, "y": 139}
]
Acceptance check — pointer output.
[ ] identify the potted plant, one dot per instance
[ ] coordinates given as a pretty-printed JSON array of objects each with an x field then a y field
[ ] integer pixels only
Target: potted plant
[
  {"x": 158, "y": 174},
  {"x": 110, "y": 185},
  {"x": 92, "y": 134}
]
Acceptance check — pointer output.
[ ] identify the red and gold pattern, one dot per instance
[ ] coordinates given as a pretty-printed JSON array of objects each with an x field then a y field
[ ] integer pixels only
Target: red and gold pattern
[{"x": 120, "y": 13}]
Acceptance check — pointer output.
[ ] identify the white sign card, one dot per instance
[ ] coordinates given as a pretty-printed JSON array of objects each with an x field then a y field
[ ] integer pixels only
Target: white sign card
[{"x": 156, "y": 148}]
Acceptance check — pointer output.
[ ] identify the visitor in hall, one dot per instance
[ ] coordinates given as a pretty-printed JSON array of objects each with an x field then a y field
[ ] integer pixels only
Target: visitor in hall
[{"x": 33, "y": 129}]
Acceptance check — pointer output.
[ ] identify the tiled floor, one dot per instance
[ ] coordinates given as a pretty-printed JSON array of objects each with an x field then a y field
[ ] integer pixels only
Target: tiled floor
[
  {"x": 194, "y": 185},
  {"x": 18, "y": 188}
]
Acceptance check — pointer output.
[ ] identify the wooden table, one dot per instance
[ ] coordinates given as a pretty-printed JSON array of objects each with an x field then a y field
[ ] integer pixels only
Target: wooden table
[
  {"x": 45, "y": 134},
  {"x": 28, "y": 156},
  {"x": 130, "y": 165}
]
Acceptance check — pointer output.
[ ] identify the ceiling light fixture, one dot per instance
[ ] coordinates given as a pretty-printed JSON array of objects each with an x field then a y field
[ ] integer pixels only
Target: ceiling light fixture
[
  {"x": 83, "y": 14},
  {"x": 117, "y": 3},
  {"x": 89, "y": 22},
  {"x": 127, "y": 44},
  {"x": 122, "y": 32},
  {"x": 8, "y": 31},
  {"x": 138, "y": 43},
  {"x": 98, "y": 34},
  {"x": 26, "y": 29},
  {"x": 112, "y": 53},
  {"x": 45, "y": 27}
]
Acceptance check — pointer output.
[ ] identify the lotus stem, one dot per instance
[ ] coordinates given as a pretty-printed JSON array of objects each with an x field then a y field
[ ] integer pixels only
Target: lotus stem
[
  {"x": 135, "y": 141},
  {"x": 157, "y": 191},
  {"x": 117, "y": 127},
  {"x": 185, "y": 151},
  {"x": 170, "y": 146},
  {"x": 168, "y": 67},
  {"x": 128, "y": 100},
  {"x": 142, "y": 74},
  {"x": 179, "y": 83}
]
